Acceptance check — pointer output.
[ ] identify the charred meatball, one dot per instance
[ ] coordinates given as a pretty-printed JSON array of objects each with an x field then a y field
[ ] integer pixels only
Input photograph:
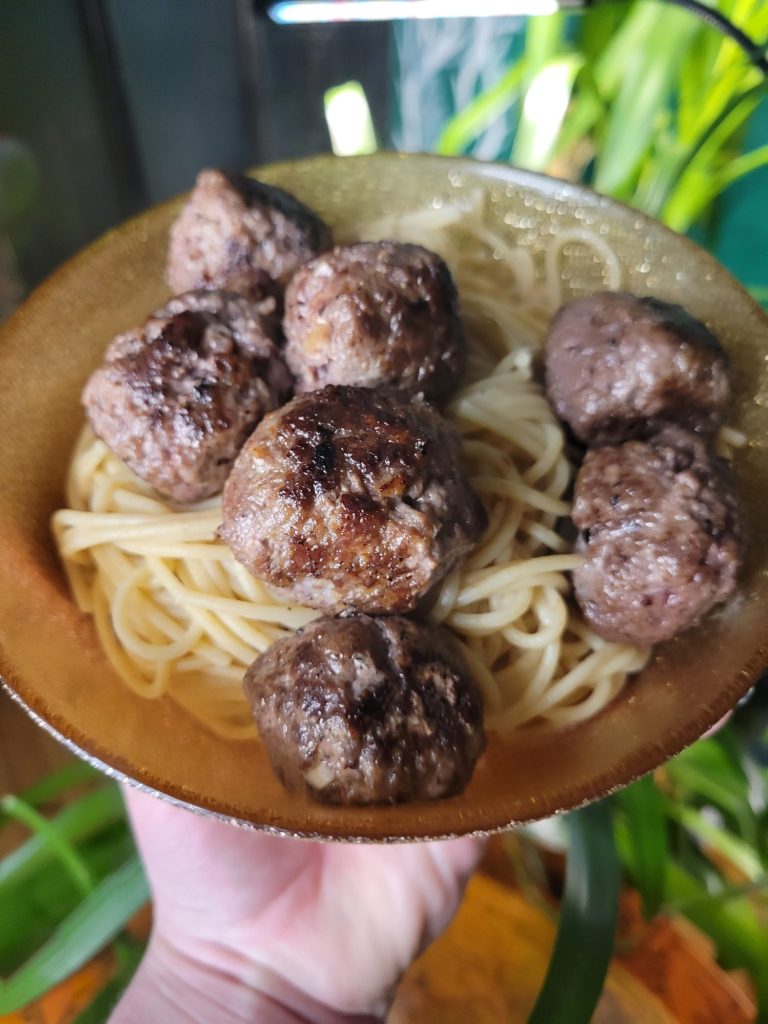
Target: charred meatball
[
  {"x": 661, "y": 534},
  {"x": 619, "y": 366},
  {"x": 177, "y": 397},
  {"x": 375, "y": 314},
  {"x": 361, "y": 710},
  {"x": 350, "y": 498},
  {"x": 234, "y": 230}
]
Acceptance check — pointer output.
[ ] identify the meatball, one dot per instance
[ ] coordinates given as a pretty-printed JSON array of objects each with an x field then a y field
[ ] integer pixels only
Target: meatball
[
  {"x": 177, "y": 397},
  {"x": 375, "y": 314},
  {"x": 263, "y": 310},
  {"x": 361, "y": 710},
  {"x": 350, "y": 498},
  {"x": 661, "y": 534},
  {"x": 234, "y": 230},
  {"x": 620, "y": 366}
]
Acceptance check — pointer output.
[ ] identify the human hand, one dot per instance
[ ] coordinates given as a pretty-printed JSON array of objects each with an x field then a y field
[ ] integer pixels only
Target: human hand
[{"x": 249, "y": 926}]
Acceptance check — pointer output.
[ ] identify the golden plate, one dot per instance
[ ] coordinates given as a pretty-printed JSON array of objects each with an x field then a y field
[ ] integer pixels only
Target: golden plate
[{"x": 50, "y": 657}]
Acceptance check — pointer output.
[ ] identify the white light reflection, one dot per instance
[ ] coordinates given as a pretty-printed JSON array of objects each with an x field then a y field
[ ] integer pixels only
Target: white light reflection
[
  {"x": 304, "y": 12},
  {"x": 349, "y": 120}
]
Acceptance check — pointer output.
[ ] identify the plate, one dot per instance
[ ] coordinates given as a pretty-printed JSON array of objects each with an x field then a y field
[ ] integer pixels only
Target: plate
[{"x": 50, "y": 659}]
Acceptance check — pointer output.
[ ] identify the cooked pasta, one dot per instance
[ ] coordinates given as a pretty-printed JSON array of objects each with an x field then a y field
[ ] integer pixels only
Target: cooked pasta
[{"x": 177, "y": 615}]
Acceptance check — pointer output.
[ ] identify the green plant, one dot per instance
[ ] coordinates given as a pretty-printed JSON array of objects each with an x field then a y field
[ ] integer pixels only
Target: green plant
[
  {"x": 647, "y": 107},
  {"x": 69, "y": 889},
  {"x": 694, "y": 841},
  {"x": 587, "y": 922}
]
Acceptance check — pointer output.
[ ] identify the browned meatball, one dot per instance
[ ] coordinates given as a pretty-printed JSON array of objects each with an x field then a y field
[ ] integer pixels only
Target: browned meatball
[
  {"x": 177, "y": 397},
  {"x": 234, "y": 229},
  {"x": 619, "y": 366},
  {"x": 375, "y": 314},
  {"x": 350, "y": 498},
  {"x": 361, "y": 710},
  {"x": 263, "y": 310},
  {"x": 661, "y": 534}
]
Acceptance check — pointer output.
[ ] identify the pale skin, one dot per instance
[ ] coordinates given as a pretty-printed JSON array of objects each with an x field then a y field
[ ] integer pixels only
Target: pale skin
[{"x": 251, "y": 927}]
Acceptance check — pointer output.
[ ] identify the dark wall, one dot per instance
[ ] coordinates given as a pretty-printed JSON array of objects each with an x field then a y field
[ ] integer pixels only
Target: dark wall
[
  {"x": 49, "y": 99},
  {"x": 178, "y": 60},
  {"x": 121, "y": 102}
]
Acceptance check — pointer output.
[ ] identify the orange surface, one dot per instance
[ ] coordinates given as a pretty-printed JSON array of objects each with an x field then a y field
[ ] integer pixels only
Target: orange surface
[
  {"x": 485, "y": 969},
  {"x": 488, "y": 967}
]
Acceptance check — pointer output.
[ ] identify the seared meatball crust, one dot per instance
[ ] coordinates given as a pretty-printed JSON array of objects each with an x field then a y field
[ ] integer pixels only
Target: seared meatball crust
[
  {"x": 660, "y": 529},
  {"x": 620, "y": 366},
  {"x": 177, "y": 397},
  {"x": 375, "y": 314},
  {"x": 361, "y": 710},
  {"x": 233, "y": 230},
  {"x": 352, "y": 498}
]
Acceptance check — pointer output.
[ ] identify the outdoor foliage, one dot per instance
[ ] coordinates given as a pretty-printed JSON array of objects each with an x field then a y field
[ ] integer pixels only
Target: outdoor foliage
[
  {"x": 644, "y": 102},
  {"x": 69, "y": 889}
]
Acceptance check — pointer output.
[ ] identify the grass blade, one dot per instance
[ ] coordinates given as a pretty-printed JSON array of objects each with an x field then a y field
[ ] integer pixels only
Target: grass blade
[
  {"x": 90, "y": 814},
  {"x": 707, "y": 772},
  {"x": 88, "y": 929},
  {"x": 464, "y": 127},
  {"x": 647, "y": 82},
  {"x": 744, "y": 164},
  {"x": 544, "y": 109},
  {"x": 642, "y": 809},
  {"x": 738, "y": 853},
  {"x": 759, "y": 293},
  {"x": 695, "y": 187},
  {"x": 58, "y": 844},
  {"x": 31, "y": 912},
  {"x": 734, "y": 927},
  {"x": 588, "y": 914}
]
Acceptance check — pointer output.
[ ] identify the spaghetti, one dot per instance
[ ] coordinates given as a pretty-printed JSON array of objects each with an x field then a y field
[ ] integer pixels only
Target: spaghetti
[{"x": 177, "y": 615}]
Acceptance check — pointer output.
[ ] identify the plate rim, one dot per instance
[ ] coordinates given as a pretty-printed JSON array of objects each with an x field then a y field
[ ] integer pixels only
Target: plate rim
[{"x": 642, "y": 761}]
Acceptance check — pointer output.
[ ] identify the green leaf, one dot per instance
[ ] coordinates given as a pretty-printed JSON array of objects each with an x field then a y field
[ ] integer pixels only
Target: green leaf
[
  {"x": 465, "y": 126},
  {"x": 31, "y": 912},
  {"x": 598, "y": 29},
  {"x": 588, "y": 915},
  {"x": 90, "y": 814},
  {"x": 543, "y": 42},
  {"x": 544, "y": 109},
  {"x": 587, "y": 109},
  {"x": 741, "y": 165},
  {"x": 734, "y": 927},
  {"x": 759, "y": 293},
  {"x": 695, "y": 67},
  {"x": 643, "y": 813},
  {"x": 646, "y": 88},
  {"x": 57, "y": 843},
  {"x": 695, "y": 186},
  {"x": 707, "y": 772},
  {"x": 738, "y": 853},
  {"x": 87, "y": 930},
  {"x": 349, "y": 121}
]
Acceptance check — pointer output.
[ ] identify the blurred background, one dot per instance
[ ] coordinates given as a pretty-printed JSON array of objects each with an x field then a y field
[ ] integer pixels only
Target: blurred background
[{"x": 107, "y": 106}]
